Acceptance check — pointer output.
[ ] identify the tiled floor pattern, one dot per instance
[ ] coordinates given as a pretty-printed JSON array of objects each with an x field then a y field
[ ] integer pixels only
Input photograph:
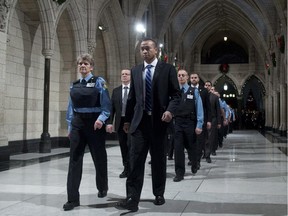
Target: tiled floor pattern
[{"x": 248, "y": 176}]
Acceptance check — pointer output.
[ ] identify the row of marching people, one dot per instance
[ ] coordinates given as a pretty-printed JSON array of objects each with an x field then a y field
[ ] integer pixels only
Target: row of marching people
[
  {"x": 201, "y": 108},
  {"x": 147, "y": 100}
]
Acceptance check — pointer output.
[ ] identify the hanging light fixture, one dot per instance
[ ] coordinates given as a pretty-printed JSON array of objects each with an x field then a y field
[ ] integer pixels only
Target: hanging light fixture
[
  {"x": 225, "y": 38},
  {"x": 225, "y": 87}
]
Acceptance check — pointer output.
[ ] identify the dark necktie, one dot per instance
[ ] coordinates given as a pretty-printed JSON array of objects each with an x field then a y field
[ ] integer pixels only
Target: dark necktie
[
  {"x": 148, "y": 88},
  {"x": 83, "y": 82},
  {"x": 124, "y": 101}
]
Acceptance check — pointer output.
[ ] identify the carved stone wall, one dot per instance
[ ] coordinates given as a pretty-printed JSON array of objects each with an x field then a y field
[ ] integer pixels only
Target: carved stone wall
[{"x": 4, "y": 9}]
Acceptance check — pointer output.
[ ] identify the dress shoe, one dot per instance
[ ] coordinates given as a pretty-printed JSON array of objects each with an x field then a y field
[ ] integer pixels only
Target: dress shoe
[
  {"x": 208, "y": 160},
  {"x": 198, "y": 165},
  {"x": 159, "y": 200},
  {"x": 194, "y": 169},
  {"x": 189, "y": 163},
  {"x": 128, "y": 204},
  {"x": 178, "y": 178},
  {"x": 124, "y": 174},
  {"x": 102, "y": 194},
  {"x": 170, "y": 158},
  {"x": 70, "y": 205},
  {"x": 213, "y": 153}
]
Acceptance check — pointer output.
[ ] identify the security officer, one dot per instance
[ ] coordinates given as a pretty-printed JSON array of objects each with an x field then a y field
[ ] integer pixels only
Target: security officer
[
  {"x": 189, "y": 119},
  {"x": 88, "y": 109}
]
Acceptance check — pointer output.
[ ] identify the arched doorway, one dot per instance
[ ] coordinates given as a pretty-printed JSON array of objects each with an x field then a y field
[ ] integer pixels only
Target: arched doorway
[
  {"x": 253, "y": 111},
  {"x": 228, "y": 90}
]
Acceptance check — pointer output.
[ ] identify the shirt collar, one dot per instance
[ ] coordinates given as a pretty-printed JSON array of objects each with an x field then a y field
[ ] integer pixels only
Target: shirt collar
[
  {"x": 154, "y": 63},
  {"x": 126, "y": 85},
  {"x": 87, "y": 77}
]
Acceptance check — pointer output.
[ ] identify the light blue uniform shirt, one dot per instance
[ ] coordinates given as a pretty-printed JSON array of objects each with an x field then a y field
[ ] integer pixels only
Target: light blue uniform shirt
[{"x": 105, "y": 102}]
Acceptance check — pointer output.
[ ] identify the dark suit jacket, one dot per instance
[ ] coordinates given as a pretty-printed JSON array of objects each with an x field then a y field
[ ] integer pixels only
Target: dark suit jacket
[
  {"x": 215, "y": 107},
  {"x": 116, "y": 108},
  {"x": 206, "y": 104},
  {"x": 165, "y": 95}
]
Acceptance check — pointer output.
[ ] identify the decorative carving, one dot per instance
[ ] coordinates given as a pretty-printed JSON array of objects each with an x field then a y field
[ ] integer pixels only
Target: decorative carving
[
  {"x": 4, "y": 9},
  {"x": 59, "y": 1},
  {"x": 91, "y": 46}
]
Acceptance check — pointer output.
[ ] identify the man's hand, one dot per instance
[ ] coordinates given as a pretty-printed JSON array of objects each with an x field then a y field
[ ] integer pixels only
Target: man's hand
[
  {"x": 126, "y": 127},
  {"x": 198, "y": 131},
  {"x": 109, "y": 128},
  {"x": 98, "y": 124},
  {"x": 208, "y": 125},
  {"x": 167, "y": 116}
]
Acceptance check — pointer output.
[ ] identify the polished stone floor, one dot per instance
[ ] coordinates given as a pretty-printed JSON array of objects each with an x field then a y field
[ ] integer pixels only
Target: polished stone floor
[{"x": 248, "y": 176}]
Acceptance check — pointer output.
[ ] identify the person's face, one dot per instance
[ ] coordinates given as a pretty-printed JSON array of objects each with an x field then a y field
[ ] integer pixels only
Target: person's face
[
  {"x": 84, "y": 68},
  {"x": 125, "y": 76},
  {"x": 194, "y": 79},
  {"x": 212, "y": 89},
  {"x": 208, "y": 86},
  {"x": 148, "y": 51},
  {"x": 182, "y": 77}
]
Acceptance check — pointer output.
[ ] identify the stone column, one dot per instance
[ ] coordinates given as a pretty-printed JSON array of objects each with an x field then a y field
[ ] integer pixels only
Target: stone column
[
  {"x": 275, "y": 111},
  {"x": 4, "y": 9},
  {"x": 283, "y": 109},
  {"x": 45, "y": 143},
  {"x": 268, "y": 112},
  {"x": 4, "y": 149}
]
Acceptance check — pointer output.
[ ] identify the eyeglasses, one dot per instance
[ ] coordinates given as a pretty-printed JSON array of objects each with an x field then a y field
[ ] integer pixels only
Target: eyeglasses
[{"x": 181, "y": 75}]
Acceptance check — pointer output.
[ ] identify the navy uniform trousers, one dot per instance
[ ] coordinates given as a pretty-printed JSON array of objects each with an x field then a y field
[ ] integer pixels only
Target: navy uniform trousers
[
  {"x": 185, "y": 137},
  {"x": 83, "y": 133}
]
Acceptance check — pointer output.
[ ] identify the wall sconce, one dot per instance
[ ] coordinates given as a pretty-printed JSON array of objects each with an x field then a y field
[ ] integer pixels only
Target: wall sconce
[
  {"x": 102, "y": 28},
  {"x": 140, "y": 28}
]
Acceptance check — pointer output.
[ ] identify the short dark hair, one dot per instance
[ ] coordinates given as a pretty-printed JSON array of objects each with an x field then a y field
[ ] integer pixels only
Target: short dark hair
[
  {"x": 150, "y": 39},
  {"x": 208, "y": 81},
  {"x": 85, "y": 57}
]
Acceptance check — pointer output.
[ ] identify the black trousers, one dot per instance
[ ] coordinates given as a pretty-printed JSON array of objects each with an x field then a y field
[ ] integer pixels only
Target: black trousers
[
  {"x": 147, "y": 137},
  {"x": 185, "y": 137},
  {"x": 123, "y": 142},
  {"x": 212, "y": 143},
  {"x": 83, "y": 133}
]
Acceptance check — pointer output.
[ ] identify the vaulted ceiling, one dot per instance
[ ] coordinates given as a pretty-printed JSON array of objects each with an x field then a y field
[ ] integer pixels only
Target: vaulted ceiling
[{"x": 187, "y": 24}]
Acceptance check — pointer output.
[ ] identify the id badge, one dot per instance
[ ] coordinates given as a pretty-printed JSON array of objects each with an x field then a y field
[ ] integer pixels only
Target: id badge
[
  {"x": 190, "y": 97},
  {"x": 90, "y": 85}
]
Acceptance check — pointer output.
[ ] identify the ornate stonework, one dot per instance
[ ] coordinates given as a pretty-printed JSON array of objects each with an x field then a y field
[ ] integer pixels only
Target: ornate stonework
[{"x": 4, "y": 8}]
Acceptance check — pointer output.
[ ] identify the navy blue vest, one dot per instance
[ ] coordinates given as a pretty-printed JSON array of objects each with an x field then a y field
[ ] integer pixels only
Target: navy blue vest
[
  {"x": 85, "y": 96},
  {"x": 187, "y": 106}
]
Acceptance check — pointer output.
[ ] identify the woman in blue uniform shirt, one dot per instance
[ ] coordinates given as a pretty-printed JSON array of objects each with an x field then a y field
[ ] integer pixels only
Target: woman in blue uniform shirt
[{"x": 88, "y": 109}]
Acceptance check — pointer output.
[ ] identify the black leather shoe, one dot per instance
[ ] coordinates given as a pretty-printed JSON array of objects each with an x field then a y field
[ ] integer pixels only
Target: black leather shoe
[
  {"x": 194, "y": 169},
  {"x": 178, "y": 178},
  {"x": 159, "y": 200},
  {"x": 70, "y": 205},
  {"x": 213, "y": 153},
  {"x": 189, "y": 163},
  {"x": 198, "y": 165},
  {"x": 124, "y": 174},
  {"x": 128, "y": 204},
  {"x": 102, "y": 194},
  {"x": 208, "y": 160}
]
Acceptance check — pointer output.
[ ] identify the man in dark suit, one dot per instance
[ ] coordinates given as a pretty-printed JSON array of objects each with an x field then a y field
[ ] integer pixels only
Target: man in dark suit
[
  {"x": 153, "y": 99},
  {"x": 119, "y": 101},
  {"x": 201, "y": 138},
  {"x": 215, "y": 123}
]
